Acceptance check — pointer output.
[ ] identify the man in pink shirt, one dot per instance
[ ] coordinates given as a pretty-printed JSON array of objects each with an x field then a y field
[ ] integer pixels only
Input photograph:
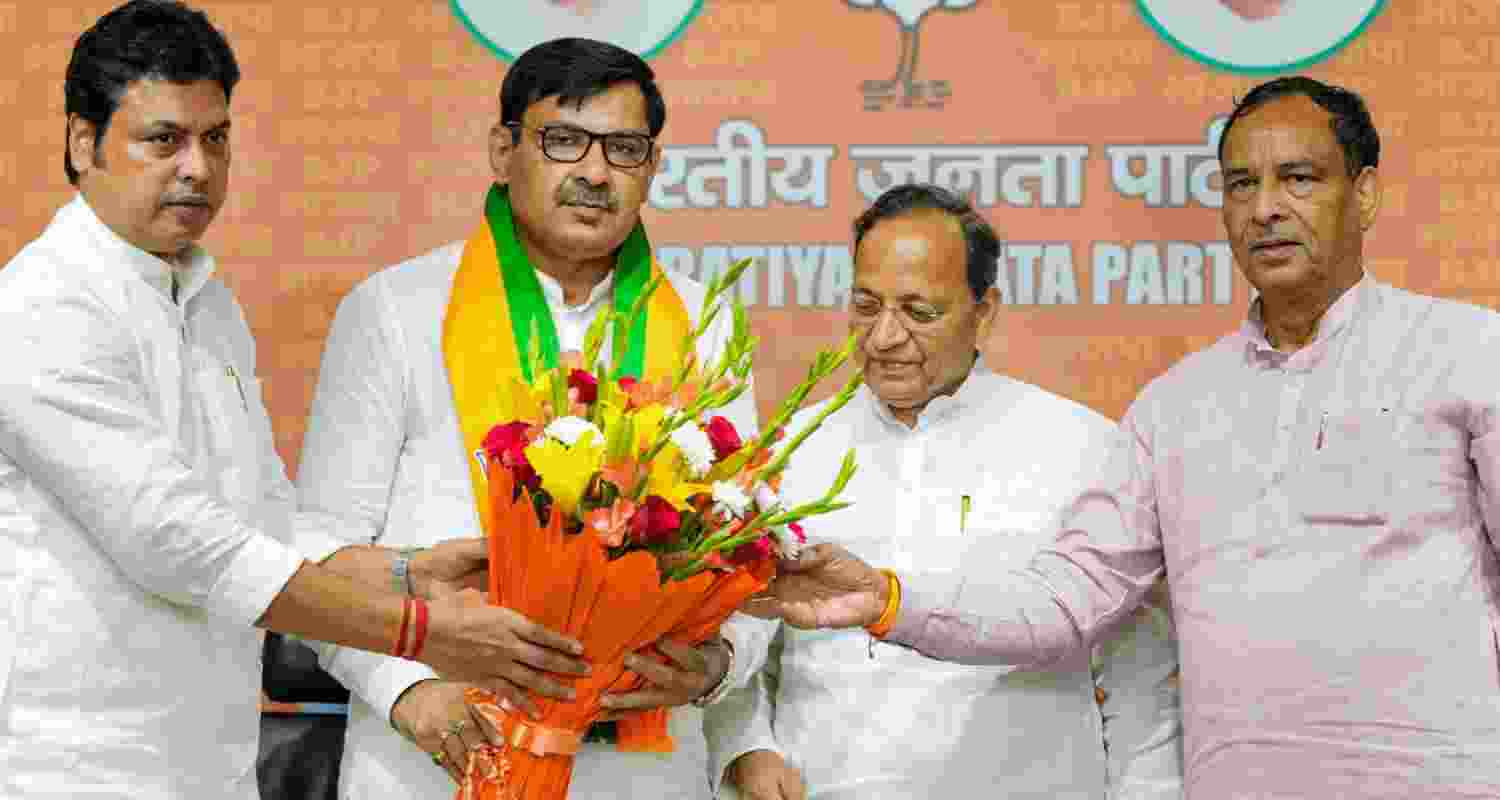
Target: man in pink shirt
[{"x": 1320, "y": 488}]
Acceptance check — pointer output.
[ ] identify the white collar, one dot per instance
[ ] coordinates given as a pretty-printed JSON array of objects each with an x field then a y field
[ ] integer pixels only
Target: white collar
[{"x": 194, "y": 269}]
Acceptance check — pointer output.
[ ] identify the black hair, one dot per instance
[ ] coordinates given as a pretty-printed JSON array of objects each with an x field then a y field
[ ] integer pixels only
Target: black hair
[
  {"x": 980, "y": 241},
  {"x": 1352, "y": 125},
  {"x": 574, "y": 70},
  {"x": 141, "y": 40}
]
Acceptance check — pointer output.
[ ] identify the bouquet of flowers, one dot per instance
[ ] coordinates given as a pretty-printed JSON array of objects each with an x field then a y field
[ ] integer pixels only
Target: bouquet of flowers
[{"x": 622, "y": 511}]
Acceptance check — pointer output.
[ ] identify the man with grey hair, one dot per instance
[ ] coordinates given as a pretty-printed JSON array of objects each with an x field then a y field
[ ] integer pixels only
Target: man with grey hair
[{"x": 962, "y": 470}]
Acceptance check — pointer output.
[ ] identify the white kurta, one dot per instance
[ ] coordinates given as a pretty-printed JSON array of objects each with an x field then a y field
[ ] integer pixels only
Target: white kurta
[
  {"x": 870, "y": 720},
  {"x": 383, "y": 461},
  {"x": 140, "y": 498}
]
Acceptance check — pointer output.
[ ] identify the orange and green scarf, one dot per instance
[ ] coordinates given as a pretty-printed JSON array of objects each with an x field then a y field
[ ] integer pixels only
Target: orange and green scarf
[{"x": 496, "y": 300}]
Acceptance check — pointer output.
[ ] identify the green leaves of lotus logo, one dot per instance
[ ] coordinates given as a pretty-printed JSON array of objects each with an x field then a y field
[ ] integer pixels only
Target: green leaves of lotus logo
[
  {"x": 1259, "y": 36},
  {"x": 510, "y": 27}
]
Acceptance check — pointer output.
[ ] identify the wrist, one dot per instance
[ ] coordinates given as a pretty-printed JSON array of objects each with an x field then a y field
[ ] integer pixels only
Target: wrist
[
  {"x": 888, "y": 593},
  {"x": 411, "y": 572},
  {"x": 399, "y": 708},
  {"x": 717, "y": 690},
  {"x": 882, "y": 595}
]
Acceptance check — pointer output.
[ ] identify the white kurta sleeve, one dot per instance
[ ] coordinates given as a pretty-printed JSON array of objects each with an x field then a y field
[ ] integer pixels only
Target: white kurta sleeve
[
  {"x": 77, "y": 416},
  {"x": 1142, "y": 707},
  {"x": 349, "y": 457},
  {"x": 743, "y": 721}
]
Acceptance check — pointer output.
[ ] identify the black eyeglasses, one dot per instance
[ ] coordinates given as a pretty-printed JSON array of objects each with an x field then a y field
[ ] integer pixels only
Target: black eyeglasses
[{"x": 569, "y": 145}]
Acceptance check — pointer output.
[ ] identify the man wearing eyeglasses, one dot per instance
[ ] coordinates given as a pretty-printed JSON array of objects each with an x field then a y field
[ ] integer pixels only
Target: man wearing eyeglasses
[{"x": 402, "y": 404}]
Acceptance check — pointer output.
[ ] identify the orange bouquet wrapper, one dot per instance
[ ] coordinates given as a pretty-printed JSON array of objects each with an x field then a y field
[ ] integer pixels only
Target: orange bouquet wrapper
[{"x": 614, "y": 607}]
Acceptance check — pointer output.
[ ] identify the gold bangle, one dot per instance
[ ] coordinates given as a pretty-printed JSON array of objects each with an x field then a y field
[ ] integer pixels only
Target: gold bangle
[{"x": 887, "y": 620}]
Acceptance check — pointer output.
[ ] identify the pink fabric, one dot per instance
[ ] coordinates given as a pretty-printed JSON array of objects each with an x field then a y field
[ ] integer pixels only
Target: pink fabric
[{"x": 1324, "y": 519}]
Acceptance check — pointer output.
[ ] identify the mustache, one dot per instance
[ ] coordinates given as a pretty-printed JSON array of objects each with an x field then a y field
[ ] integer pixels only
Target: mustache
[{"x": 575, "y": 194}]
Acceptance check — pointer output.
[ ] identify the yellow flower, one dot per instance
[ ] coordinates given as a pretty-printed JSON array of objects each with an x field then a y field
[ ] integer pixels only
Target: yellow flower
[
  {"x": 566, "y": 471},
  {"x": 668, "y": 478},
  {"x": 648, "y": 425},
  {"x": 514, "y": 399}
]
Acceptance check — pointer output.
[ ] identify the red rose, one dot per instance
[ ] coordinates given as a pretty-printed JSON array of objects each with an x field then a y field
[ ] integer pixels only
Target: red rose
[
  {"x": 723, "y": 436},
  {"x": 655, "y": 521},
  {"x": 586, "y": 384},
  {"x": 507, "y": 444},
  {"x": 798, "y": 532},
  {"x": 627, "y": 382},
  {"x": 751, "y": 552}
]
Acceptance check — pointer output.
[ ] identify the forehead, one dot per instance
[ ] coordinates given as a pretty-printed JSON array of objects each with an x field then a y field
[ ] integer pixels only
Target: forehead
[
  {"x": 620, "y": 107},
  {"x": 919, "y": 253},
  {"x": 190, "y": 105},
  {"x": 1287, "y": 128}
]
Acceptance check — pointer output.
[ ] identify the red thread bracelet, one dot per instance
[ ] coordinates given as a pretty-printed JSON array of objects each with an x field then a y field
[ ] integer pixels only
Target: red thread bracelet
[
  {"x": 419, "y": 635},
  {"x": 401, "y": 637}
]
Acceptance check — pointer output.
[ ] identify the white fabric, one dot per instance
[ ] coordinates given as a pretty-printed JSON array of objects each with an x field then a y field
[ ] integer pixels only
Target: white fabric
[
  {"x": 900, "y": 725},
  {"x": 141, "y": 507},
  {"x": 383, "y": 461}
]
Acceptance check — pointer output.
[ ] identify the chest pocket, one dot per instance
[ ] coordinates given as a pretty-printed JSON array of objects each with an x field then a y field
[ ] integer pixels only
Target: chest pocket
[
  {"x": 1386, "y": 468},
  {"x": 225, "y": 445}
]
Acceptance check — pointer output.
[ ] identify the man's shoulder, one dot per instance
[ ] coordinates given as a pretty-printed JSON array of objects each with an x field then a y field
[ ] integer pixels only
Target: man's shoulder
[
  {"x": 432, "y": 269},
  {"x": 1034, "y": 401},
  {"x": 43, "y": 272},
  {"x": 419, "y": 280},
  {"x": 1442, "y": 313},
  {"x": 1188, "y": 373}
]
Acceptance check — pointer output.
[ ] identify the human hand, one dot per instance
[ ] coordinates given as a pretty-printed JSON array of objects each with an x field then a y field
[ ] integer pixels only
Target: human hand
[
  {"x": 827, "y": 587},
  {"x": 765, "y": 775},
  {"x": 451, "y": 566},
  {"x": 499, "y": 649},
  {"x": 692, "y": 673},
  {"x": 435, "y": 717}
]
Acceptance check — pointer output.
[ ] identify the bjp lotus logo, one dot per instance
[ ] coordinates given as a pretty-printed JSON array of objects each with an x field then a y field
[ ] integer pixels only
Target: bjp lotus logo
[
  {"x": 1260, "y": 36},
  {"x": 511, "y": 27},
  {"x": 904, "y": 88}
]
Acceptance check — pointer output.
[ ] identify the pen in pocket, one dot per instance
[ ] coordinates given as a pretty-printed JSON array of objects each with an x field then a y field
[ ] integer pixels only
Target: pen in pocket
[
  {"x": 240, "y": 387},
  {"x": 963, "y": 513}
]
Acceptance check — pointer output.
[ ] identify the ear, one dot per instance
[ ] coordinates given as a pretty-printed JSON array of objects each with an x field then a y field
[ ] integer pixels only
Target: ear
[
  {"x": 502, "y": 147},
  {"x": 1367, "y": 194},
  {"x": 83, "y": 143},
  {"x": 651, "y": 167},
  {"x": 988, "y": 310}
]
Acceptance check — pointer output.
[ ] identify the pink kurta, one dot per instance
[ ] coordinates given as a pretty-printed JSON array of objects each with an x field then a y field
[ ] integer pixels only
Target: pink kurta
[{"x": 1324, "y": 519}]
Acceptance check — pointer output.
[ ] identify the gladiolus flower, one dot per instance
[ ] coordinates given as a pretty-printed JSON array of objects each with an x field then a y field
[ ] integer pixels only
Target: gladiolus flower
[
  {"x": 751, "y": 552},
  {"x": 507, "y": 443},
  {"x": 723, "y": 436},
  {"x": 610, "y": 524},
  {"x": 655, "y": 521},
  {"x": 731, "y": 497},
  {"x": 586, "y": 384},
  {"x": 695, "y": 447}
]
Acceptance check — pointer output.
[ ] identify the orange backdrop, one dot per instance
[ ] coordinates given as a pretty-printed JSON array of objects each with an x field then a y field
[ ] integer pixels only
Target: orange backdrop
[{"x": 360, "y": 130}]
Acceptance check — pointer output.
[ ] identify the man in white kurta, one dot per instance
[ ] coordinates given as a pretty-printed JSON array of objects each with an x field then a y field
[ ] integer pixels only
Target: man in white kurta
[
  {"x": 383, "y": 456},
  {"x": 143, "y": 508},
  {"x": 955, "y": 482},
  {"x": 384, "y": 449}
]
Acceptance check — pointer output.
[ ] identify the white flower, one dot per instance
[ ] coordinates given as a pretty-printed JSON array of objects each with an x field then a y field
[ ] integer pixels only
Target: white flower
[
  {"x": 732, "y": 497},
  {"x": 568, "y": 429},
  {"x": 694, "y": 444},
  {"x": 790, "y": 547},
  {"x": 766, "y": 497}
]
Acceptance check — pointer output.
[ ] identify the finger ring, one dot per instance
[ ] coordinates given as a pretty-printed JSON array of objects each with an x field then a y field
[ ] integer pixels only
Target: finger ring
[{"x": 439, "y": 757}]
